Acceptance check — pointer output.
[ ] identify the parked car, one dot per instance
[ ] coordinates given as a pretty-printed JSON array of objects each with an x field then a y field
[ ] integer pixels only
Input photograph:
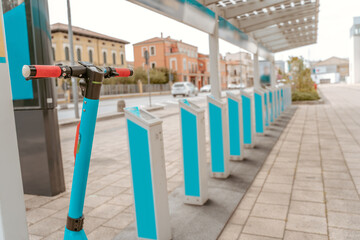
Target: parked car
[
  {"x": 232, "y": 86},
  {"x": 241, "y": 85},
  {"x": 206, "y": 88},
  {"x": 184, "y": 89}
]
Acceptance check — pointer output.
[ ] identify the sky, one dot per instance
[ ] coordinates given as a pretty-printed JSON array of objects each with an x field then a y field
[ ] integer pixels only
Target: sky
[{"x": 133, "y": 23}]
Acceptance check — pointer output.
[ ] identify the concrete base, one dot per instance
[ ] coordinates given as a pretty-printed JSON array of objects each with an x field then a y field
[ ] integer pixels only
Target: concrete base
[
  {"x": 236, "y": 158},
  {"x": 206, "y": 222},
  {"x": 195, "y": 200}
]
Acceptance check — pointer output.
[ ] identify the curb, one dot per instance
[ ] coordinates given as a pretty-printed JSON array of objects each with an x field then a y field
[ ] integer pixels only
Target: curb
[
  {"x": 120, "y": 96},
  {"x": 107, "y": 116}
]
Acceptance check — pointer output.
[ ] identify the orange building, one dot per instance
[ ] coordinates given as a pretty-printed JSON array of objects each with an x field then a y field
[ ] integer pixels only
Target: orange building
[{"x": 177, "y": 56}]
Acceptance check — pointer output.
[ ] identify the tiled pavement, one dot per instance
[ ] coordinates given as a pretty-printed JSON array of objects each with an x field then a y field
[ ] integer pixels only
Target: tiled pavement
[{"x": 308, "y": 187}]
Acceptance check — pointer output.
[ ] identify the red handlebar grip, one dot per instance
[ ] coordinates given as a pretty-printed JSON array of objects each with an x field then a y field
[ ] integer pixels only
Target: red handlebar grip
[
  {"x": 124, "y": 72},
  {"x": 41, "y": 71},
  {"x": 47, "y": 71}
]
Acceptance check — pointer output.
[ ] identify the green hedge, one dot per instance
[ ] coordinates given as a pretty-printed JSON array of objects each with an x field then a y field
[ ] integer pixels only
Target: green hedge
[{"x": 305, "y": 96}]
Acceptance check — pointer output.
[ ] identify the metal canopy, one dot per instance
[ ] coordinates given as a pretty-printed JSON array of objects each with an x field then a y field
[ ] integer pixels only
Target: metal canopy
[
  {"x": 278, "y": 25},
  {"x": 258, "y": 26}
]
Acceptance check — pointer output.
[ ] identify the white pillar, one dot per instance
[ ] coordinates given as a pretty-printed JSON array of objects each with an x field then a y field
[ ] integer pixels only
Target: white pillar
[
  {"x": 272, "y": 74},
  {"x": 215, "y": 80},
  {"x": 12, "y": 208},
  {"x": 257, "y": 83}
]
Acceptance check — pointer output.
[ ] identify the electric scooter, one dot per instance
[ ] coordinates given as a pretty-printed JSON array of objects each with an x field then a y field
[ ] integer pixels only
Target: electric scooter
[{"x": 90, "y": 85}]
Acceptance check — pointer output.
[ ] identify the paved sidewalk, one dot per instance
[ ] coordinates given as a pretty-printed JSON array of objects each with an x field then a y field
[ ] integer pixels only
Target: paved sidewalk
[{"x": 309, "y": 186}]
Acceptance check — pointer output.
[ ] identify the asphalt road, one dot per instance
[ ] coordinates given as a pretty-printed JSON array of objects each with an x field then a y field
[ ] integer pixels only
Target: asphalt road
[{"x": 110, "y": 106}]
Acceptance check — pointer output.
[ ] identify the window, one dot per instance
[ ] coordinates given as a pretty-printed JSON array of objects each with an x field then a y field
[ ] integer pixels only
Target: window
[
  {"x": 152, "y": 51},
  {"x": 185, "y": 78},
  {"x": 122, "y": 58},
  {"x": 90, "y": 55},
  {"x": 78, "y": 53},
  {"x": 104, "y": 57},
  {"x": 143, "y": 49},
  {"x": 53, "y": 52},
  {"x": 235, "y": 72},
  {"x": 67, "y": 54},
  {"x": 114, "y": 58},
  {"x": 184, "y": 64},
  {"x": 153, "y": 65},
  {"x": 189, "y": 66},
  {"x": 89, "y": 41}
]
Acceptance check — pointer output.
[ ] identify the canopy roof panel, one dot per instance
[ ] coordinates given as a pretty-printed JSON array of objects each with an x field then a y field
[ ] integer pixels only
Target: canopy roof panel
[{"x": 273, "y": 23}]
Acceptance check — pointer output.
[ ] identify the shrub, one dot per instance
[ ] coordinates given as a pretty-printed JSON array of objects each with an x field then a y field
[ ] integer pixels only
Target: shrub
[{"x": 305, "y": 96}]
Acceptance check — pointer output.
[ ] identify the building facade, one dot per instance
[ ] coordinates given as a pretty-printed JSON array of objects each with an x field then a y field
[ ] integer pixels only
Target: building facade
[
  {"x": 240, "y": 68},
  {"x": 89, "y": 46},
  {"x": 183, "y": 58},
  {"x": 355, "y": 51},
  {"x": 332, "y": 70}
]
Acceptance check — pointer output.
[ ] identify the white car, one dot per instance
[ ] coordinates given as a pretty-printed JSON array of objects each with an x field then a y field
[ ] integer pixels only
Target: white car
[
  {"x": 206, "y": 88},
  {"x": 184, "y": 89},
  {"x": 232, "y": 86}
]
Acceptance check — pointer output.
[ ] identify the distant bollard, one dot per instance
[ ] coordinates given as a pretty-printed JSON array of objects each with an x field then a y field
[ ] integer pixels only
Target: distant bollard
[
  {"x": 219, "y": 138},
  {"x": 259, "y": 111},
  {"x": 147, "y": 164},
  {"x": 267, "y": 108},
  {"x": 248, "y": 118},
  {"x": 235, "y": 126},
  {"x": 271, "y": 105},
  {"x": 121, "y": 105},
  {"x": 282, "y": 99},
  {"x": 192, "y": 123}
]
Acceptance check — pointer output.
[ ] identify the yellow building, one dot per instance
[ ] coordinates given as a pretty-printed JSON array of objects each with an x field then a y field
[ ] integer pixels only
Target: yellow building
[{"x": 89, "y": 46}]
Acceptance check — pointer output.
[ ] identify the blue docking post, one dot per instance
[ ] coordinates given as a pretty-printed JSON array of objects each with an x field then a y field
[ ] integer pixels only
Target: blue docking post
[
  {"x": 235, "y": 127},
  {"x": 259, "y": 111},
  {"x": 266, "y": 103},
  {"x": 192, "y": 123},
  {"x": 248, "y": 119},
  {"x": 219, "y": 138}
]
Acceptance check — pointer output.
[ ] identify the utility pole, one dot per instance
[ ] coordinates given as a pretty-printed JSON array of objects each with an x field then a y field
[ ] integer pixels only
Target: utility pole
[
  {"x": 73, "y": 80},
  {"x": 146, "y": 55}
]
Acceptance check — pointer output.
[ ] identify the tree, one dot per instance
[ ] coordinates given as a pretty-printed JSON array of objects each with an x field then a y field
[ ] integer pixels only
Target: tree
[{"x": 300, "y": 75}]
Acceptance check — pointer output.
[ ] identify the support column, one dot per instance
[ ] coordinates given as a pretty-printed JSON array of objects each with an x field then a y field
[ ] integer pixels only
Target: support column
[
  {"x": 215, "y": 80},
  {"x": 12, "y": 208},
  {"x": 257, "y": 84}
]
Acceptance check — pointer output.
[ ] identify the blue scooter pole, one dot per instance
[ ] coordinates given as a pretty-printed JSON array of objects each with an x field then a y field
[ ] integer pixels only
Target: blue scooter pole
[{"x": 90, "y": 85}]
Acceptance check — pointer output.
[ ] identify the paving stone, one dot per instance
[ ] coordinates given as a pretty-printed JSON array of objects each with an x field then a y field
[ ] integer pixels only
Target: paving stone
[
  {"x": 274, "y": 198},
  {"x": 106, "y": 210},
  {"x": 270, "y": 211},
  {"x": 103, "y": 233},
  {"x": 230, "y": 232},
  {"x": 276, "y": 187},
  {"x": 240, "y": 216},
  {"x": 38, "y": 214},
  {"x": 307, "y": 208},
  {"x": 343, "y": 234},
  {"x": 244, "y": 236},
  {"x": 95, "y": 200},
  {"x": 269, "y": 227},
  {"x": 341, "y": 205},
  {"x": 46, "y": 226},
  {"x": 311, "y": 196},
  {"x": 308, "y": 185},
  {"x": 339, "y": 193},
  {"x": 291, "y": 235},
  {"x": 55, "y": 236},
  {"x": 344, "y": 220},
  {"x": 337, "y": 183},
  {"x": 304, "y": 223},
  {"x": 120, "y": 221},
  {"x": 247, "y": 203}
]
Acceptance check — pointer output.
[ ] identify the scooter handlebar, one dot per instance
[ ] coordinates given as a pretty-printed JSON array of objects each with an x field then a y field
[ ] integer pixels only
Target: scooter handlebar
[
  {"x": 123, "y": 72},
  {"x": 40, "y": 71}
]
